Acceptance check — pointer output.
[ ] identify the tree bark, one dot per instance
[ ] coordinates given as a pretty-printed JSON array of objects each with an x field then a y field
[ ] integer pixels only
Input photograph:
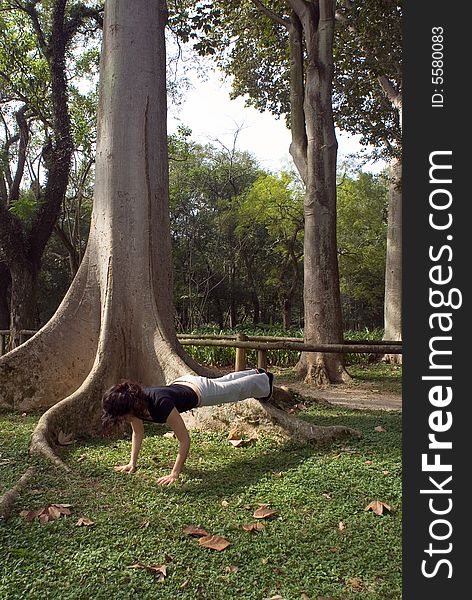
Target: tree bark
[{"x": 393, "y": 267}]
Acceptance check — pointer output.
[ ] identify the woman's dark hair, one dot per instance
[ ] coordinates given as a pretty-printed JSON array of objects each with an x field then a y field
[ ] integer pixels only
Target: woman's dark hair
[{"x": 126, "y": 398}]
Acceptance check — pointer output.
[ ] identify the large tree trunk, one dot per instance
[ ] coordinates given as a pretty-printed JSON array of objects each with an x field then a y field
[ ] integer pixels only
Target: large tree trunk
[
  {"x": 323, "y": 316},
  {"x": 23, "y": 312},
  {"x": 117, "y": 320},
  {"x": 393, "y": 267}
]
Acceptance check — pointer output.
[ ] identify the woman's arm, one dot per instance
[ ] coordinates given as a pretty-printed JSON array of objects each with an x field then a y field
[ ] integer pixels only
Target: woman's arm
[
  {"x": 136, "y": 441},
  {"x": 176, "y": 423}
]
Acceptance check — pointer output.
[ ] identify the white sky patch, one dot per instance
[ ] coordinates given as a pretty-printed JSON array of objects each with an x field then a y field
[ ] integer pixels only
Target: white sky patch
[{"x": 211, "y": 115}]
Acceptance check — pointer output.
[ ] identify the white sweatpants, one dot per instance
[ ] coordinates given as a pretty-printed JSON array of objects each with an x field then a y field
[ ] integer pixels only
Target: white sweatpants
[{"x": 229, "y": 388}]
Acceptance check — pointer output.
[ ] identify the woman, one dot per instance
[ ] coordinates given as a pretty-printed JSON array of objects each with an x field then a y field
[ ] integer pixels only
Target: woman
[{"x": 132, "y": 403}]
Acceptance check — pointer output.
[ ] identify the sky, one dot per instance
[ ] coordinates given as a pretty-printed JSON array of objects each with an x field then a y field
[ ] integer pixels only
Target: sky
[{"x": 211, "y": 115}]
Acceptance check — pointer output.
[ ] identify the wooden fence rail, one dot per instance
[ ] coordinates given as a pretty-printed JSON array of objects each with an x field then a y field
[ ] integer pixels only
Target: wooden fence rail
[{"x": 263, "y": 344}]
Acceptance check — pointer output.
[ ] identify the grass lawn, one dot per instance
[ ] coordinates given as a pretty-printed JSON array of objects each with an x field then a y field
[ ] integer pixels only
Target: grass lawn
[{"x": 301, "y": 553}]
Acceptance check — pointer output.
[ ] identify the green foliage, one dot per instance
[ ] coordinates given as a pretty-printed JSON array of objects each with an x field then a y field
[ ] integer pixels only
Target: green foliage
[
  {"x": 362, "y": 209},
  {"x": 302, "y": 549},
  {"x": 25, "y": 207}
]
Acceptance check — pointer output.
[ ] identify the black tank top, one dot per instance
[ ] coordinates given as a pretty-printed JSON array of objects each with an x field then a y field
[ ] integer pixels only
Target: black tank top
[{"x": 164, "y": 398}]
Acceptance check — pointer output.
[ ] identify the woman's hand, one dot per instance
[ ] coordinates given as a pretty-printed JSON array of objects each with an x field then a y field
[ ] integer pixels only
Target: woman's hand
[
  {"x": 167, "y": 479},
  {"x": 129, "y": 468}
]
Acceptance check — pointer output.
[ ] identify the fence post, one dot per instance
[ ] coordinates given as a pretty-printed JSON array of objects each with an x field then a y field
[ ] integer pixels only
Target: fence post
[
  {"x": 262, "y": 359},
  {"x": 240, "y": 353}
]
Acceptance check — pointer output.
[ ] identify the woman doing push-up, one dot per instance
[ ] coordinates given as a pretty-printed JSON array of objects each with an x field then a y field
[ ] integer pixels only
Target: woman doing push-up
[{"x": 132, "y": 403}]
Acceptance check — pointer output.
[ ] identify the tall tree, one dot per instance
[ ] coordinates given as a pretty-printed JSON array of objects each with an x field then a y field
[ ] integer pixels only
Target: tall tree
[
  {"x": 303, "y": 30},
  {"x": 117, "y": 319}
]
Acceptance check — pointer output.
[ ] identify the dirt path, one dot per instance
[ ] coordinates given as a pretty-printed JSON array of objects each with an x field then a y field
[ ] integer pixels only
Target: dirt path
[{"x": 353, "y": 396}]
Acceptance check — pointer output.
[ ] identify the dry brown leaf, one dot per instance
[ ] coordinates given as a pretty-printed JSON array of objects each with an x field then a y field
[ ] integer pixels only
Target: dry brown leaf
[
  {"x": 379, "y": 429},
  {"x": 224, "y": 503},
  {"x": 160, "y": 570},
  {"x": 85, "y": 522},
  {"x": 341, "y": 525},
  {"x": 355, "y": 583},
  {"x": 325, "y": 598},
  {"x": 82, "y": 457},
  {"x": 236, "y": 442},
  {"x": 253, "y": 527},
  {"x": 264, "y": 561},
  {"x": 369, "y": 462},
  {"x": 29, "y": 515},
  {"x": 43, "y": 518},
  {"x": 327, "y": 496},
  {"x": 169, "y": 434},
  {"x": 333, "y": 549},
  {"x": 386, "y": 472},
  {"x": 304, "y": 596},
  {"x": 277, "y": 597},
  {"x": 231, "y": 569},
  {"x": 378, "y": 507},
  {"x": 54, "y": 512},
  {"x": 63, "y": 508},
  {"x": 214, "y": 542},
  {"x": 184, "y": 584},
  {"x": 195, "y": 531},
  {"x": 144, "y": 524},
  {"x": 263, "y": 512},
  {"x": 64, "y": 439},
  {"x": 168, "y": 557}
]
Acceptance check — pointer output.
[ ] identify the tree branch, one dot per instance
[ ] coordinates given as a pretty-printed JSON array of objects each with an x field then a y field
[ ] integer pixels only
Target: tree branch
[
  {"x": 20, "y": 167},
  {"x": 271, "y": 14}
]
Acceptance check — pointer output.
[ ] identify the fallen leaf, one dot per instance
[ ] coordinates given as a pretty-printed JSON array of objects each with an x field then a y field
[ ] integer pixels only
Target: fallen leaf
[
  {"x": 304, "y": 596},
  {"x": 195, "y": 531},
  {"x": 184, "y": 584},
  {"x": 327, "y": 496},
  {"x": 325, "y": 598},
  {"x": 278, "y": 597},
  {"x": 253, "y": 527},
  {"x": 64, "y": 439},
  {"x": 169, "y": 434},
  {"x": 82, "y": 457},
  {"x": 214, "y": 542},
  {"x": 379, "y": 429},
  {"x": 247, "y": 507},
  {"x": 144, "y": 524},
  {"x": 224, "y": 503},
  {"x": 231, "y": 569},
  {"x": 63, "y": 508},
  {"x": 236, "y": 442},
  {"x": 264, "y": 561},
  {"x": 168, "y": 557},
  {"x": 6, "y": 461},
  {"x": 333, "y": 549},
  {"x": 301, "y": 406},
  {"x": 378, "y": 507},
  {"x": 160, "y": 570},
  {"x": 385, "y": 472},
  {"x": 54, "y": 512},
  {"x": 369, "y": 462},
  {"x": 29, "y": 515},
  {"x": 84, "y": 522},
  {"x": 355, "y": 583},
  {"x": 341, "y": 525},
  {"x": 263, "y": 512},
  {"x": 47, "y": 513}
]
